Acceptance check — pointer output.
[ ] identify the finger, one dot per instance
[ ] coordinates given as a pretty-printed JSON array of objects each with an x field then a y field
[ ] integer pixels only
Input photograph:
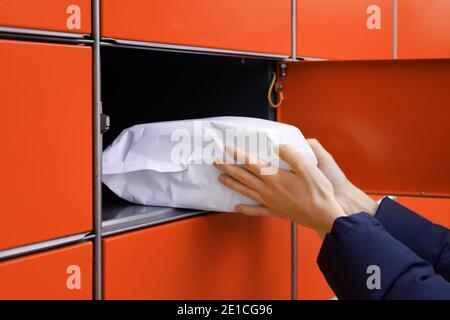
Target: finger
[
  {"x": 319, "y": 150},
  {"x": 240, "y": 187},
  {"x": 242, "y": 175},
  {"x": 256, "y": 210},
  {"x": 291, "y": 156},
  {"x": 250, "y": 162}
]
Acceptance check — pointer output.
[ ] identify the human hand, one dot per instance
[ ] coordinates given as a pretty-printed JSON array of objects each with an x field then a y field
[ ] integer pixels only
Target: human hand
[
  {"x": 349, "y": 197},
  {"x": 303, "y": 195}
]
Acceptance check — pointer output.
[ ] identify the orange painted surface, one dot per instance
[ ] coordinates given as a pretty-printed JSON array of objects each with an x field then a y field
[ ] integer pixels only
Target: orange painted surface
[
  {"x": 385, "y": 122},
  {"x": 336, "y": 29},
  {"x": 47, "y": 275},
  {"x": 219, "y": 256},
  {"x": 46, "y": 148},
  {"x": 45, "y": 14},
  {"x": 423, "y": 29},
  {"x": 435, "y": 209},
  {"x": 377, "y": 197},
  {"x": 245, "y": 25},
  {"x": 311, "y": 284}
]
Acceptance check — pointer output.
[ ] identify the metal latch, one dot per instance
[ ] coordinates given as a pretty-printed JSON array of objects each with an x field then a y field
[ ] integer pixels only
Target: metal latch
[
  {"x": 283, "y": 72},
  {"x": 104, "y": 123}
]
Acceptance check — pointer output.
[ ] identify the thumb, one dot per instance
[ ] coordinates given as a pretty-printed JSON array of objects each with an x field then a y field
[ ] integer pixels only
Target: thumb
[{"x": 291, "y": 156}]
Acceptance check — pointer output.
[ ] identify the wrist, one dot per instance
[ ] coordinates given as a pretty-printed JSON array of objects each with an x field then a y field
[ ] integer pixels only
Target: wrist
[
  {"x": 353, "y": 200},
  {"x": 334, "y": 211}
]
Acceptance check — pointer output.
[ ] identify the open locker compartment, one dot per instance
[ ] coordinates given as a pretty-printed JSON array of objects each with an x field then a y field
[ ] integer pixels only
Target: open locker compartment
[
  {"x": 140, "y": 85},
  {"x": 386, "y": 123}
]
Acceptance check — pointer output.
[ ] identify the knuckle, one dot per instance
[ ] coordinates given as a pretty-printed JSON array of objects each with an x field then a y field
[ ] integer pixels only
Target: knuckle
[
  {"x": 237, "y": 173},
  {"x": 225, "y": 167},
  {"x": 226, "y": 180},
  {"x": 302, "y": 163},
  {"x": 247, "y": 191}
]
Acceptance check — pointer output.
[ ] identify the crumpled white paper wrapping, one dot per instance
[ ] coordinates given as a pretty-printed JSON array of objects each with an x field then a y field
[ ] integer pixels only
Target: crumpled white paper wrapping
[{"x": 139, "y": 165}]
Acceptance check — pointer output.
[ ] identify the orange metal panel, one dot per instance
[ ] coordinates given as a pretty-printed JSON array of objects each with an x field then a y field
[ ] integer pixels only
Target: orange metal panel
[
  {"x": 46, "y": 156},
  {"x": 435, "y": 209},
  {"x": 54, "y": 15},
  {"x": 377, "y": 197},
  {"x": 246, "y": 25},
  {"x": 423, "y": 29},
  {"x": 57, "y": 274},
  {"x": 219, "y": 256},
  {"x": 345, "y": 30},
  {"x": 386, "y": 122},
  {"x": 311, "y": 284}
]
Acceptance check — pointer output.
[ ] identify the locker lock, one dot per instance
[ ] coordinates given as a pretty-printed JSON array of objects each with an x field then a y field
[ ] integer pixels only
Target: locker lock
[
  {"x": 104, "y": 123},
  {"x": 283, "y": 72}
]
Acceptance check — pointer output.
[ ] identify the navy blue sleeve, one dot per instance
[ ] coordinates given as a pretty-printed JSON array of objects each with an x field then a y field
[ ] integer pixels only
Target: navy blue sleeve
[
  {"x": 429, "y": 241},
  {"x": 359, "y": 243}
]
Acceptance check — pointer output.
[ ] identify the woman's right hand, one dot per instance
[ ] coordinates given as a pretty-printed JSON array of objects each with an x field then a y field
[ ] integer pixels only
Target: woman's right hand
[
  {"x": 303, "y": 194},
  {"x": 350, "y": 198}
]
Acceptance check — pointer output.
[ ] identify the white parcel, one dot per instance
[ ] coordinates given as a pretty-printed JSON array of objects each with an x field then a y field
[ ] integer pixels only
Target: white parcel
[{"x": 170, "y": 163}]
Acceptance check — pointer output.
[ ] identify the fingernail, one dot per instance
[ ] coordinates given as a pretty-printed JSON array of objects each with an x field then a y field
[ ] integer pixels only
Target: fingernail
[
  {"x": 222, "y": 177},
  {"x": 237, "y": 208}
]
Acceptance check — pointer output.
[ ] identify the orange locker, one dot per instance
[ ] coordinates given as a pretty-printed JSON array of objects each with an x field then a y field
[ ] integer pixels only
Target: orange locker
[
  {"x": 435, "y": 209},
  {"x": 385, "y": 122},
  {"x": 244, "y": 25},
  {"x": 311, "y": 284},
  {"x": 51, "y": 15},
  {"x": 218, "y": 256},
  {"x": 46, "y": 189},
  {"x": 56, "y": 274},
  {"x": 345, "y": 30},
  {"x": 423, "y": 29}
]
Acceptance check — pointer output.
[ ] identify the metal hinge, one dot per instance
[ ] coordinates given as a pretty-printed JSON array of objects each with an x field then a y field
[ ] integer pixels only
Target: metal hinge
[{"x": 104, "y": 123}]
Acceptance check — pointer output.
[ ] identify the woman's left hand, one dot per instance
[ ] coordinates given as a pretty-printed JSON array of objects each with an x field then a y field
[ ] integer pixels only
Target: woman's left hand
[{"x": 303, "y": 194}]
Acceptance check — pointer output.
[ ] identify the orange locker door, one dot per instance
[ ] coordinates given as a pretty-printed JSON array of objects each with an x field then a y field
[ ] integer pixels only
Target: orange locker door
[
  {"x": 385, "y": 122},
  {"x": 46, "y": 157},
  {"x": 56, "y": 274},
  {"x": 244, "y": 25},
  {"x": 218, "y": 256},
  {"x": 345, "y": 30},
  {"x": 51, "y": 15},
  {"x": 311, "y": 284},
  {"x": 423, "y": 29},
  {"x": 436, "y": 210}
]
